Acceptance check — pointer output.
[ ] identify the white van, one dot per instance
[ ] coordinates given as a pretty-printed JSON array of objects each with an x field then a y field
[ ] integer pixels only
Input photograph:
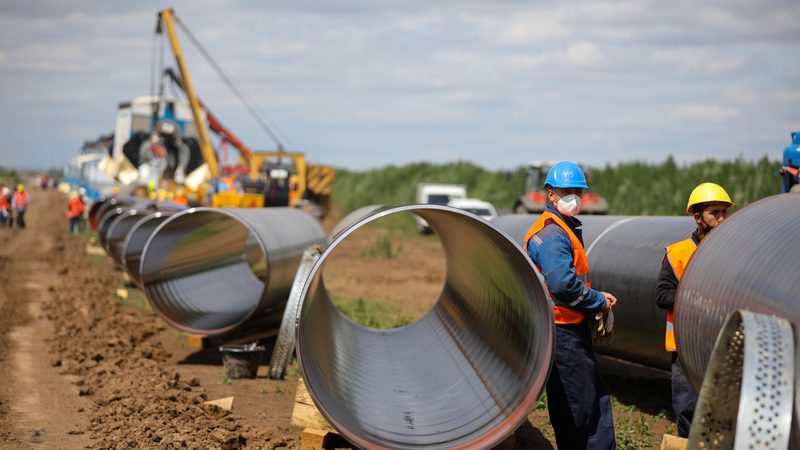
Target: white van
[
  {"x": 475, "y": 206},
  {"x": 437, "y": 194}
]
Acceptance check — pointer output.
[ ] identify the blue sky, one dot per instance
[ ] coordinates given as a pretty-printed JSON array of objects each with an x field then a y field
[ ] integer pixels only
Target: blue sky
[{"x": 363, "y": 84}]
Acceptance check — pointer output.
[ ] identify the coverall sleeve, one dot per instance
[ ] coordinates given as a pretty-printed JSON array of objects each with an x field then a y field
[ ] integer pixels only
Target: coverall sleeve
[
  {"x": 554, "y": 258},
  {"x": 666, "y": 287}
]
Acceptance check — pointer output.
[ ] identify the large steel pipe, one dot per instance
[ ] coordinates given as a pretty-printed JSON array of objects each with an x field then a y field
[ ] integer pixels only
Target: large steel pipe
[
  {"x": 137, "y": 237},
  {"x": 100, "y": 207},
  {"x": 751, "y": 261},
  {"x": 207, "y": 271},
  {"x": 110, "y": 214},
  {"x": 462, "y": 376},
  {"x": 625, "y": 255},
  {"x": 118, "y": 231},
  {"x": 94, "y": 209}
]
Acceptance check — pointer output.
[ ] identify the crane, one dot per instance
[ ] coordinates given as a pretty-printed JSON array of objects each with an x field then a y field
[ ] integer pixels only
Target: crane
[{"x": 311, "y": 186}]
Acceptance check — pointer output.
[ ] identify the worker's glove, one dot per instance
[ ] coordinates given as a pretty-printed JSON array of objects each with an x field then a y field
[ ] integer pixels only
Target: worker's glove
[{"x": 602, "y": 325}]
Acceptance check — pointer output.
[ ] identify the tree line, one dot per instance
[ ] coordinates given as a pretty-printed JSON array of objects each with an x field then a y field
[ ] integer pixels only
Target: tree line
[{"x": 631, "y": 188}]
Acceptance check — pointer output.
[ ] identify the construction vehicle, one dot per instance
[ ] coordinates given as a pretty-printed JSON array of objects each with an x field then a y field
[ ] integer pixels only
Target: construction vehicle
[
  {"x": 161, "y": 145},
  {"x": 276, "y": 178},
  {"x": 534, "y": 199},
  {"x": 790, "y": 172},
  {"x": 281, "y": 178}
]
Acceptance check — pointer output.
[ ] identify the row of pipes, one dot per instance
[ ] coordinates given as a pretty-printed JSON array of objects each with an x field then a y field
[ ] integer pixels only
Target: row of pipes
[{"x": 468, "y": 372}]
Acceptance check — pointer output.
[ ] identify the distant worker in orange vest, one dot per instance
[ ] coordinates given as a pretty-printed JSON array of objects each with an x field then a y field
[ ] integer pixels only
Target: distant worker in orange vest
[
  {"x": 20, "y": 203},
  {"x": 578, "y": 402},
  {"x": 75, "y": 209},
  {"x": 709, "y": 204},
  {"x": 5, "y": 206}
]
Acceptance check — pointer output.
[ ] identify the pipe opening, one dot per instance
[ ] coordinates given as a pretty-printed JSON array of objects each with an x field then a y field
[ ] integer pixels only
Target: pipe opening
[
  {"x": 118, "y": 232},
  {"x": 383, "y": 297},
  {"x": 203, "y": 271},
  {"x": 136, "y": 239},
  {"x": 462, "y": 376}
]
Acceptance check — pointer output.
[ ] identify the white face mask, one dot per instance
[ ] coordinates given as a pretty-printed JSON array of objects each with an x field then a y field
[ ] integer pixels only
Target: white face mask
[{"x": 569, "y": 205}]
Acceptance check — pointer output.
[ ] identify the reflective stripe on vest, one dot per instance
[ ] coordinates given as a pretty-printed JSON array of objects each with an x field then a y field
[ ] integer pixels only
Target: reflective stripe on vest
[
  {"x": 678, "y": 255},
  {"x": 562, "y": 312}
]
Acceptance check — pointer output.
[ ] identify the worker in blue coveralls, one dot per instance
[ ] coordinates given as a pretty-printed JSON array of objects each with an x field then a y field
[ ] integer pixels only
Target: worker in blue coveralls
[{"x": 578, "y": 402}]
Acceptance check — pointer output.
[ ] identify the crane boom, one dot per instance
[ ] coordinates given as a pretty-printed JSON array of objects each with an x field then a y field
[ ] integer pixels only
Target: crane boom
[
  {"x": 167, "y": 18},
  {"x": 214, "y": 123}
]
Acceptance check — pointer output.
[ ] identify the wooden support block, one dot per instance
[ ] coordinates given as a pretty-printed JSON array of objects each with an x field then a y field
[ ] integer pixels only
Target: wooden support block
[
  {"x": 94, "y": 250},
  {"x": 193, "y": 341},
  {"x": 314, "y": 439},
  {"x": 225, "y": 403},
  {"x": 305, "y": 412},
  {"x": 670, "y": 442}
]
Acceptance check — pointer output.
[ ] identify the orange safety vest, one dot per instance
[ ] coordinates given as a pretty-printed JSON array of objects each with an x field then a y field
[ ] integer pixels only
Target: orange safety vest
[
  {"x": 75, "y": 208},
  {"x": 181, "y": 200},
  {"x": 564, "y": 314},
  {"x": 4, "y": 202},
  {"x": 20, "y": 199},
  {"x": 678, "y": 255}
]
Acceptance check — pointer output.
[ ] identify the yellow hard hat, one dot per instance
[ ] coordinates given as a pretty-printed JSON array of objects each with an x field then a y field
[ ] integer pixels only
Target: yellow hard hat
[
  {"x": 706, "y": 193},
  {"x": 20, "y": 187}
]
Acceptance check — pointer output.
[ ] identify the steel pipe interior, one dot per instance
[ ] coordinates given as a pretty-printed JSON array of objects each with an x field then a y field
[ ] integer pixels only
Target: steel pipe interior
[
  {"x": 749, "y": 262},
  {"x": 118, "y": 231},
  {"x": 137, "y": 237},
  {"x": 207, "y": 271},
  {"x": 625, "y": 255},
  {"x": 99, "y": 208},
  {"x": 462, "y": 376}
]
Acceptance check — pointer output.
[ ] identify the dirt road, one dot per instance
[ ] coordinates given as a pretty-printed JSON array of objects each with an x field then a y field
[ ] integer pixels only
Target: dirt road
[
  {"x": 37, "y": 406},
  {"x": 82, "y": 368}
]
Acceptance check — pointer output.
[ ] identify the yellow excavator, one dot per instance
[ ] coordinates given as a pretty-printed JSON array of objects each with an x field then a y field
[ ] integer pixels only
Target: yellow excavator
[{"x": 261, "y": 178}]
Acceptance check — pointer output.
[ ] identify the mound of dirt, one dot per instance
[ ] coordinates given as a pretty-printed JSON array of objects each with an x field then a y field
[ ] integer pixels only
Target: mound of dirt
[{"x": 138, "y": 400}]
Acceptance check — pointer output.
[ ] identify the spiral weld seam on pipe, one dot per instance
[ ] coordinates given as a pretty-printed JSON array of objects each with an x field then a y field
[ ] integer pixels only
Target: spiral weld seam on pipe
[
  {"x": 751, "y": 262},
  {"x": 465, "y": 375},
  {"x": 136, "y": 239},
  {"x": 216, "y": 271}
]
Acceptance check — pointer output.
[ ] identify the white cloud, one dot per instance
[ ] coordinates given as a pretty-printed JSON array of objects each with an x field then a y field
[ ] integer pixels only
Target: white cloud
[
  {"x": 706, "y": 112},
  {"x": 582, "y": 54},
  {"x": 697, "y": 60},
  {"x": 521, "y": 28}
]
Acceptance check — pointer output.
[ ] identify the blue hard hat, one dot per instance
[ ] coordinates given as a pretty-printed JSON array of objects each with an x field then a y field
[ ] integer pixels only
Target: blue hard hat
[{"x": 566, "y": 174}]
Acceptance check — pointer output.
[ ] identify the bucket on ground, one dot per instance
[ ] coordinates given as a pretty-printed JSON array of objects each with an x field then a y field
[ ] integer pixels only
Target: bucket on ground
[{"x": 242, "y": 360}]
